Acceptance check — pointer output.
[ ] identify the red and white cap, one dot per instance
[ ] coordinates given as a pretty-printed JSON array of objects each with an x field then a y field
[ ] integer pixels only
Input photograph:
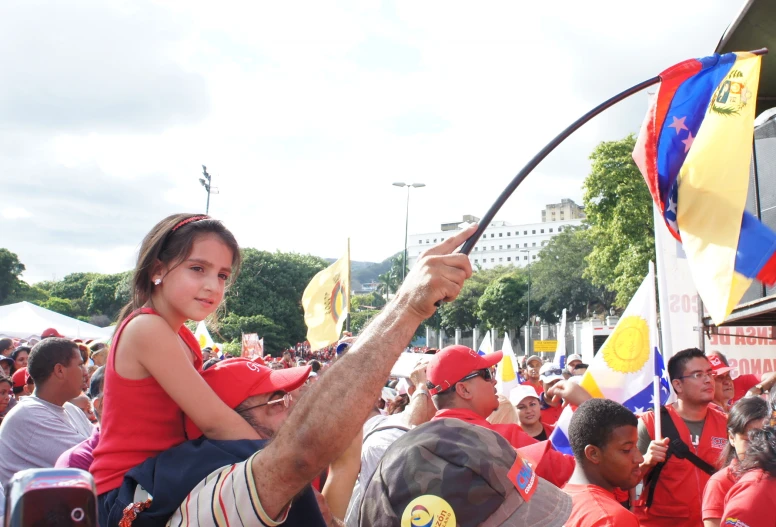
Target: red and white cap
[
  {"x": 51, "y": 332},
  {"x": 719, "y": 367},
  {"x": 234, "y": 380},
  {"x": 451, "y": 364}
]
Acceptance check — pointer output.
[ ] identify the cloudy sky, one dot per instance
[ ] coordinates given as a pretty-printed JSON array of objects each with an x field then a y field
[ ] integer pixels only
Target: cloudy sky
[{"x": 306, "y": 112}]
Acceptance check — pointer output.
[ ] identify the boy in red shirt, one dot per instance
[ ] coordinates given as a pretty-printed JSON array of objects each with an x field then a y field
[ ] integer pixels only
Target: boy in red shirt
[{"x": 604, "y": 438}]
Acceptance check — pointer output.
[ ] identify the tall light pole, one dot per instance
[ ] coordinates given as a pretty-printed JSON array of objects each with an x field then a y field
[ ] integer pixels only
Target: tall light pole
[
  {"x": 528, "y": 327},
  {"x": 205, "y": 182},
  {"x": 407, "y": 222}
]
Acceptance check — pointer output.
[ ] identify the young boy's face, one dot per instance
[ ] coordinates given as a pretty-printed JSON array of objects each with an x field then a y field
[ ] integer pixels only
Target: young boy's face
[{"x": 621, "y": 458}]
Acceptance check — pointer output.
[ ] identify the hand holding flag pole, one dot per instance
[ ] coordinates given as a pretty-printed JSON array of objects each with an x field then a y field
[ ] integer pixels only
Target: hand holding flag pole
[{"x": 544, "y": 152}]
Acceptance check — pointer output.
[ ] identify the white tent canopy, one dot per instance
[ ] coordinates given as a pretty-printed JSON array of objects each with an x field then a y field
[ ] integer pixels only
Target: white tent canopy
[{"x": 24, "y": 320}]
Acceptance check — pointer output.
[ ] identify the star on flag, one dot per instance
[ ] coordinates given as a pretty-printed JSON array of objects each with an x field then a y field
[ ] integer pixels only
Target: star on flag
[{"x": 678, "y": 124}]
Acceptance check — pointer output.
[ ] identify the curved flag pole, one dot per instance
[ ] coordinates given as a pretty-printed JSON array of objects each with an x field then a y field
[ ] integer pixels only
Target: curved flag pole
[{"x": 544, "y": 152}]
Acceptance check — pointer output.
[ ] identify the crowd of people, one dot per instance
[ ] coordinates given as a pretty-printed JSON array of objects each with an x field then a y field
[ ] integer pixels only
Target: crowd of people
[{"x": 173, "y": 435}]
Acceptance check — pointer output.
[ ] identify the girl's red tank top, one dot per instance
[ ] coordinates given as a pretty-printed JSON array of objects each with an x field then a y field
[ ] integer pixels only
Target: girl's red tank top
[{"x": 139, "y": 419}]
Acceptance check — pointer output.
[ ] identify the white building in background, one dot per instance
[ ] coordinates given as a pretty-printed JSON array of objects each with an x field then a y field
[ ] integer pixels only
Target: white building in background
[{"x": 502, "y": 243}]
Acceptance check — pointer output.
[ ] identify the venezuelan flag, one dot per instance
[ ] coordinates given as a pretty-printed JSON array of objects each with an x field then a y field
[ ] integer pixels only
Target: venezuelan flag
[{"x": 694, "y": 152}]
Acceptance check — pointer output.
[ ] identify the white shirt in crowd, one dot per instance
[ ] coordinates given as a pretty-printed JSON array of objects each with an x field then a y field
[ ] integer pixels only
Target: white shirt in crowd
[{"x": 35, "y": 432}]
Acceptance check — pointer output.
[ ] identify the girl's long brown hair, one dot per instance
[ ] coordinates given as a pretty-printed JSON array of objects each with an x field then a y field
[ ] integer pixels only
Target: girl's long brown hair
[{"x": 171, "y": 248}]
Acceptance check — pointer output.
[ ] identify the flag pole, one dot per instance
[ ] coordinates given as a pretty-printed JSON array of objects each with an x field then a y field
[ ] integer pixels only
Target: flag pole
[
  {"x": 656, "y": 397},
  {"x": 544, "y": 152},
  {"x": 347, "y": 320}
]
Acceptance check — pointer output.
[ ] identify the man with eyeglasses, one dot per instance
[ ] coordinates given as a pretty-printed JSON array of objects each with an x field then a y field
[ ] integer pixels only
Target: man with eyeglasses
[
  {"x": 674, "y": 497},
  {"x": 463, "y": 387}
]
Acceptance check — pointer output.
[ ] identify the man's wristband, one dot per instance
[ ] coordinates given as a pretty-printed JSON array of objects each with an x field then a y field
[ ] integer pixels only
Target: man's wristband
[{"x": 419, "y": 392}]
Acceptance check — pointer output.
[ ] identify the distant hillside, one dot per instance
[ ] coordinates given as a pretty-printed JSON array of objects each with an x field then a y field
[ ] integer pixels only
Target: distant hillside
[{"x": 365, "y": 272}]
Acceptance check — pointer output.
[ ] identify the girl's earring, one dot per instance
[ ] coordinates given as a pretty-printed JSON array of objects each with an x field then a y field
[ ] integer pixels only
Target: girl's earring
[{"x": 158, "y": 281}]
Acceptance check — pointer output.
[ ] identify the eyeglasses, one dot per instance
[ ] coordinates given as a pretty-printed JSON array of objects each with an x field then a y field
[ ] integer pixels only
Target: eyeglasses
[
  {"x": 286, "y": 400},
  {"x": 550, "y": 373},
  {"x": 699, "y": 375}
]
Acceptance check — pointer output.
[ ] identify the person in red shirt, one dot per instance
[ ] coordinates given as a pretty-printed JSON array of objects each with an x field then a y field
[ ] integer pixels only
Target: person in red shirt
[
  {"x": 153, "y": 371},
  {"x": 752, "y": 500},
  {"x": 529, "y": 412},
  {"x": 604, "y": 438},
  {"x": 462, "y": 387},
  {"x": 723, "y": 384},
  {"x": 748, "y": 383},
  {"x": 532, "y": 366},
  {"x": 679, "y": 487},
  {"x": 746, "y": 415}
]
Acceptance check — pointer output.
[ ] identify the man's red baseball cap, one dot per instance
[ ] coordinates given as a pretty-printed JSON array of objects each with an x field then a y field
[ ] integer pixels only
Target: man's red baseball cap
[
  {"x": 51, "y": 332},
  {"x": 718, "y": 367},
  {"x": 451, "y": 364},
  {"x": 234, "y": 380}
]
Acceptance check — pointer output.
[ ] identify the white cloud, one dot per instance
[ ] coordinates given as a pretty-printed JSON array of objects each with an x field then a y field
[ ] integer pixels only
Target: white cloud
[{"x": 305, "y": 113}]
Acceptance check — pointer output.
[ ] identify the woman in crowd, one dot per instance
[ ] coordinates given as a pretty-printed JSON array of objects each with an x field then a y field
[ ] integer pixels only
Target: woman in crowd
[
  {"x": 19, "y": 357},
  {"x": 752, "y": 500},
  {"x": 529, "y": 412},
  {"x": 7, "y": 366},
  {"x": 746, "y": 415},
  {"x": 6, "y": 390},
  {"x": 153, "y": 371}
]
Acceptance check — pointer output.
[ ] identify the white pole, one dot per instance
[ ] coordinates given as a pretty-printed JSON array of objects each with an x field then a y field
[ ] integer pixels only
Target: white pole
[{"x": 656, "y": 397}]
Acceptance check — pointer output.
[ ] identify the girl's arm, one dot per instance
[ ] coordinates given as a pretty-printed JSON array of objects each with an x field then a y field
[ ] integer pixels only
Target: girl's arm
[{"x": 157, "y": 349}]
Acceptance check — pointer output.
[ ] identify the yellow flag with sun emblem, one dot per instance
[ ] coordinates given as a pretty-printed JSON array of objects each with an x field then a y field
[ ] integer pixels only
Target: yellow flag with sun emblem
[
  {"x": 203, "y": 336},
  {"x": 624, "y": 368},
  {"x": 326, "y": 303}
]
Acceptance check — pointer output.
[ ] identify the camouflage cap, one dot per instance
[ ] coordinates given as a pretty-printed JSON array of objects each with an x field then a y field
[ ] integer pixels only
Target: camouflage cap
[{"x": 448, "y": 472}]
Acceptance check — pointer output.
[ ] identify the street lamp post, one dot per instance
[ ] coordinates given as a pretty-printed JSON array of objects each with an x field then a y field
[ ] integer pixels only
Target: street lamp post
[
  {"x": 528, "y": 327},
  {"x": 407, "y": 222}
]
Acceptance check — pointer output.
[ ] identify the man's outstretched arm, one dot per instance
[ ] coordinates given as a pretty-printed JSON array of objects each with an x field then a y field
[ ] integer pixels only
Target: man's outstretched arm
[{"x": 333, "y": 410}]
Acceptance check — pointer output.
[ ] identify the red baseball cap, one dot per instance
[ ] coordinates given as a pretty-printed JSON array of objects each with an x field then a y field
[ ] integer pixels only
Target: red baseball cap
[
  {"x": 20, "y": 377},
  {"x": 717, "y": 365},
  {"x": 451, "y": 364},
  {"x": 51, "y": 332},
  {"x": 234, "y": 380}
]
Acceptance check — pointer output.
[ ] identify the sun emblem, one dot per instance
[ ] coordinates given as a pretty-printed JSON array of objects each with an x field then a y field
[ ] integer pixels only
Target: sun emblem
[{"x": 627, "y": 349}]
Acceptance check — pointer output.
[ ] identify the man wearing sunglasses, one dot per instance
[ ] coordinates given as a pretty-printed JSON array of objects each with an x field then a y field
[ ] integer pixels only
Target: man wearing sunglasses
[{"x": 462, "y": 386}]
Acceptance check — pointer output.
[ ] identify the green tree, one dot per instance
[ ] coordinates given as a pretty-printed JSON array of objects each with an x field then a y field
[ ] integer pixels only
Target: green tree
[
  {"x": 619, "y": 210},
  {"x": 232, "y": 326},
  {"x": 359, "y": 320},
  {"x": 59, "y": 305},
  {"x": 558, "y": 281},
  {"x": 101, "y": 296},
  {"x": 358, "y": 302},
  {"x": 10, "y": 271},
  {"x": 271, "y": 284},
  {"x": 72, "y": 286},
  {"x": 502, "y": 304},
  {"x": 464, "y": 311}
]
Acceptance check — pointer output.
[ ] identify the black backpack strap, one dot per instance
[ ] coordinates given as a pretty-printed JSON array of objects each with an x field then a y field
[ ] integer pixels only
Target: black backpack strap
[{"x": 676, "y": 447}]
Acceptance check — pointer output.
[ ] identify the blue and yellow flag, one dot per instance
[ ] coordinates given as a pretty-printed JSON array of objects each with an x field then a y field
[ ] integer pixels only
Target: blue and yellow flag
[
  {"x": 325, "y": 303},
  {"x": 694, "y": 151}
]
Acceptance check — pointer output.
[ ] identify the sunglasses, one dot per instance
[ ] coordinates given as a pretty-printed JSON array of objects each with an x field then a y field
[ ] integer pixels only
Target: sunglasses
[
  {"x": 550, "y": 373},
  {"x": 286, "y": 400},
  {"x": 484, "y": 373}
]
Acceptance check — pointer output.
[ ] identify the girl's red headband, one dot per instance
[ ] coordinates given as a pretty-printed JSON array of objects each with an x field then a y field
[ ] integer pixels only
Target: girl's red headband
[{"x": 189, "y": 220}]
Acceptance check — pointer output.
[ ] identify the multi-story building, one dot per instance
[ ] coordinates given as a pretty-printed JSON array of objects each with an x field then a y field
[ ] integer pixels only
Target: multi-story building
[
  {"x": 502, "y": 243},
  {"x": 565, "y": 210}
]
